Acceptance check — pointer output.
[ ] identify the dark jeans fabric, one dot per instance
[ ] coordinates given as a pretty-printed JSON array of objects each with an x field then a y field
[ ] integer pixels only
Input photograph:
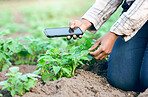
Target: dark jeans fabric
[
  {"x": 125, "y": 6},
  {"x": 128, "y": 62}
]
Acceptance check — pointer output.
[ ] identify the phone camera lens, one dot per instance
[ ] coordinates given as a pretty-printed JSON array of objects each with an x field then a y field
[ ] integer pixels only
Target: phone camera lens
[{"x": 71, "y": 30}]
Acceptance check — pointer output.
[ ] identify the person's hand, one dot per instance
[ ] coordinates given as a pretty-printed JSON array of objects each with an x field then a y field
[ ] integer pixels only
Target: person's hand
[
  {"x": 106, "y": 43},
  {"x": 82, "y": 24}
]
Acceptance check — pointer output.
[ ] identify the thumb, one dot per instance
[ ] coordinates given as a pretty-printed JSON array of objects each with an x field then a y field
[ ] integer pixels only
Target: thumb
[
  {"x": 72, "y": 26},
  {"x": 97, "y": 43}
]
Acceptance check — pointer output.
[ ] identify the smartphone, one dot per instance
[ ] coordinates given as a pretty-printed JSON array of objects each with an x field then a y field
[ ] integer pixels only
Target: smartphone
[{"x": 62, "y": 32}]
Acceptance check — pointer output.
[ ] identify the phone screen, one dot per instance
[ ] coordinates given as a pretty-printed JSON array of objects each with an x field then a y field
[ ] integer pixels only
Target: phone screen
[{"x": 60, "y": 32}]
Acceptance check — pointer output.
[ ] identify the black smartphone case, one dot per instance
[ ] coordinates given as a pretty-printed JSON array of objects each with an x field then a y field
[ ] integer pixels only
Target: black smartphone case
[{"x": 62, "y": 32}]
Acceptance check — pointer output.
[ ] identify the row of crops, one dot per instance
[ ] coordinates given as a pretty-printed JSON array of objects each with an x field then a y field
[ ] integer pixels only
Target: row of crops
[
  {"x": 53, "y": 62},
  {"x": 55, "y": 57}
]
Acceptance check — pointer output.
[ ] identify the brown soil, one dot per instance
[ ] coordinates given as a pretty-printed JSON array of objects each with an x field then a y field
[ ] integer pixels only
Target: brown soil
[
  {"x": 144, "y": 94},
  {"x": 83, "y": 84}
]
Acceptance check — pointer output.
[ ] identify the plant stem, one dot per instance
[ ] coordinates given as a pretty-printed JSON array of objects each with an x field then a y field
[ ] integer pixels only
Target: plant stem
[
  {"x": 73, "y": 69},
  {"x": 46, "y": 70},
  {"x": 60, "y": 75},
  {"x": 2, "y": 64},
  {"x": 32, "y": 60}
]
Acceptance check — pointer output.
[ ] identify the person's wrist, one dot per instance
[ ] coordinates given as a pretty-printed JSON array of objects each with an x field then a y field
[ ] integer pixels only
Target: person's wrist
[
  {"x": 85, "y": 24},
  {"x": 115, "y": 36}
]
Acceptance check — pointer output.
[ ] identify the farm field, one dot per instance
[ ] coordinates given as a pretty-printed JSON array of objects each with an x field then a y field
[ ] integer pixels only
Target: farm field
[{"x": 32, "y": 65}]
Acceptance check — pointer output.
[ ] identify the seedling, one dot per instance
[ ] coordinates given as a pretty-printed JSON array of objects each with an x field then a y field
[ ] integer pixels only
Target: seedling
[
  {"x": 17, "y": 83},
  {"x": 57, "y": 63}
]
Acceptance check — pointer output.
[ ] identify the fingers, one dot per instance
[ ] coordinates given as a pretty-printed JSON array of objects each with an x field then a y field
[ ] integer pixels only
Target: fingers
[
  {"x": 68, "y": 37},
  {"x": 97, "y": 43},
  {"x": 100, "y": 53},
  {"x": 104, "y": 57},
  {"x": 95, "y": 53},
  {"x": 100, "y": 56},
  {"x": 80, "y": 36},
  {"x": 74, "y": 24},
  {"x": 74, "y": 37}
]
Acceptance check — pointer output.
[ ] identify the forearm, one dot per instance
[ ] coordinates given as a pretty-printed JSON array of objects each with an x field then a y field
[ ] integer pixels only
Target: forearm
[{"x": 101, "y": 11}]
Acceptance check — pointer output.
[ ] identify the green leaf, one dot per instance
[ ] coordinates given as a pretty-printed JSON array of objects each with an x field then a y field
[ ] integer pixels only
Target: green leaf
[
  {"x": 9, "y": 74},
  {"x": 66, "y": 70},
  {"x": 55, "y": 50},
  {"x": 5, "y": 46},
  {"x": 90, "y": 57},
  {"x": 84, "y": 52},
  {"x": 18, "y": 86},
  {"x": 24, "y": 78},
  {"x": 46, "y": 77},
  {"x": 54, "y": 78},
  {"x": 29, "y": 50},
  {"x": 18, "y": 74},
  {"x": 3, "y": 83},
  {"x": 10, "y": 80},
  {"x": 12, "y": 46},
  {"x": 80, "y": 62},
  {"x": 12, "y": 92},
  {"x": 72, "y": 50},
  {"x": 1, "y": 95},
  {"x": 39, "y": 66},
  {"x": 37, "y": 71},
  {"x": 85, "y": 58},
  {"x": 2, "y": 56},
  {"x": 48, "y": 58},
  {"x": 29, "y": 84},
  {"x": 56, "y": 69},
  {"x": 14, "y": 69},
  {"x": 6, "y": 85},
  {"x": 8, "y": 62},
  {"x": 5, "y": 67},
  {"x": 31, "y": 75}
]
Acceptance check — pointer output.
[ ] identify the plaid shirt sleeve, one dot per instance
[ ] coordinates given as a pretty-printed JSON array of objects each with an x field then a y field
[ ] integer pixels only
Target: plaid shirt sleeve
[
  {"x": 131, "y": 21},
  {"x": 100, "y": 12}
]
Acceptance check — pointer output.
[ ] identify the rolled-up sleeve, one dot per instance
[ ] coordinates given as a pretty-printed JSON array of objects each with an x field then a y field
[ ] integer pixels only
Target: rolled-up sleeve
[
  {"x": 101, "y": 11},
  {"x": 131, "y": 21}
]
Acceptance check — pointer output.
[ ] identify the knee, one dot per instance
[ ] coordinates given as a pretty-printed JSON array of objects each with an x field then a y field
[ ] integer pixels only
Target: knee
[{"x": 124, "y": 83}]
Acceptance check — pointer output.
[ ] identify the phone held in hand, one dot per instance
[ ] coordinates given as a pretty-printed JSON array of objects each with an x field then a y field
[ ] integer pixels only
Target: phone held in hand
[{"x": 62, "y": 32}]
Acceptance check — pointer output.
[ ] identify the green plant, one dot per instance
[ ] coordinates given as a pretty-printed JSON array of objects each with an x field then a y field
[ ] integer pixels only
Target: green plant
[
  {"x": 4, "y": 55},
  {"x": 57, "y": 63},
  {"x": 17, "y": 83},
  {"x": 32, "y": 47},
  {"x": 76, "y": 57},
  {"x": 26, "y": 49},
  {"x": 4, "y": 60}
]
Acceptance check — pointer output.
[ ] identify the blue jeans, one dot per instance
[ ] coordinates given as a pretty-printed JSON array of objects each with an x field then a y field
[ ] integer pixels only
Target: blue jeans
[{"x": 128, "y": 62}]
